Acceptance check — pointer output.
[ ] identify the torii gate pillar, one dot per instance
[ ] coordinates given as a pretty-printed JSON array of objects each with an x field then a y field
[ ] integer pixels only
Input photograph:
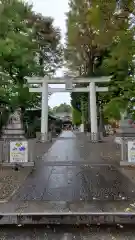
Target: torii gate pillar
[
  {"x": 93, "y": 112},
  {"x": 92, "y": 89},
  {"x": 44, "y": 112}
]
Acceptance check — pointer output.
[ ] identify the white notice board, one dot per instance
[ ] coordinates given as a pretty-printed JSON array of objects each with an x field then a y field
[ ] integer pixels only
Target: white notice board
[
  {"x": 19, "y": 151},
  {"x": 131, "y": 151}
]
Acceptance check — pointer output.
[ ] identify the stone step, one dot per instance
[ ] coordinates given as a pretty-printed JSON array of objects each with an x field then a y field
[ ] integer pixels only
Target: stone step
[
  {"x": 77, "y": 163},
  {"x": 81, "y": 212},
  {"x": 68, "y": 232},
  {"x": 74, "y": 219}
]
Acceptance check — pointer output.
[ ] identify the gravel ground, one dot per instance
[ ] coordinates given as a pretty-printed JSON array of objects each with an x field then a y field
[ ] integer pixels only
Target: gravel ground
[
  {"x": 110, "y": 153},
  {"x": 11, "y": 180}
]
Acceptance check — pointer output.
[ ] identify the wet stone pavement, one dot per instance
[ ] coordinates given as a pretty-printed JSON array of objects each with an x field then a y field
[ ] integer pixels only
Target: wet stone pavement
[{"x": 73, "y": 170}]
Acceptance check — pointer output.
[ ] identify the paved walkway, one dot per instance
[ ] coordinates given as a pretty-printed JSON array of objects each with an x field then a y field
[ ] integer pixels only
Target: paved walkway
[{"x": 75, "y": 170}]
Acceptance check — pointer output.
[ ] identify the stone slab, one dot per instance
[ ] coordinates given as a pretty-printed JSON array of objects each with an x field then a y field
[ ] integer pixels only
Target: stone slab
[
  {"x": 47, "y": 208},
  {"x": 25, "y": 164},
  {"x": 126, "y": 163},
  {"x": 54, "y": 212},
  {"x": 62, "y": 232}
]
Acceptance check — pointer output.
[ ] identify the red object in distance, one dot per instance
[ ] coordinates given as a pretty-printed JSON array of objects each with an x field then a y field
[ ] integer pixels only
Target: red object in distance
[{"x": 130, "y": 121}]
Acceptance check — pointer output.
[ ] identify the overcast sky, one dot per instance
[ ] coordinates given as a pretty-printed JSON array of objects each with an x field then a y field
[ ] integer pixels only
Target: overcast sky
[{"x": 57, "y": 10}]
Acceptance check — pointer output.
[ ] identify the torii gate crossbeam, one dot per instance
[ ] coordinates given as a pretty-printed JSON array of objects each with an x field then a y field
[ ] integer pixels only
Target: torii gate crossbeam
[{"x": 92, "y": 89}]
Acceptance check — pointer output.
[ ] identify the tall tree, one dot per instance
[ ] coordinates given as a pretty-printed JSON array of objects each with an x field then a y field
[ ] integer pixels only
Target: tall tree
[
  {"x": 17, "y": 49},
  {"x": 99, "y": 37},
  {"x": 50, "y": 51},
  {"x": 62, "y": 108},
  {"x": 26, "y": 40}
]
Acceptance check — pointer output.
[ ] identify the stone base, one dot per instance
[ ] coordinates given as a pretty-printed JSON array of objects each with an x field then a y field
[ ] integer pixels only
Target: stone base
[
  {"x": 94, "y": 137},
  {"x": 25, "y": 164},
  {"x": 43, "y": 138},
  {"x": 82, "y": 128},
  {"x": 127, "y": 164}
]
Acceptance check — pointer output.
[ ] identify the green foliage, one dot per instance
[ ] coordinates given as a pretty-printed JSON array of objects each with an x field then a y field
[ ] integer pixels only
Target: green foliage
[
  {"x": 50, "y": 111},
  {"x": 76, "y": 116},
  {"x": 133, "y": 115},
  {"x": 29, "y": 46},
  {"x": 50, "y": 51},
  {"x": 100, "y": 42},
  {"x": 62, "y": 108},
  {"x": 89, "y": 33},
  {"x": 17, "y": 52},
  {"x": 17, "y": 48},
  {"x": 114, "y": 108}
]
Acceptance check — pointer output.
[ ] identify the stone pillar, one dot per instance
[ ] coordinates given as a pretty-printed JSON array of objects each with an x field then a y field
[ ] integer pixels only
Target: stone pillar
[
  {"x": 82, "y": 117},
  {"x": 93, "y": 112},
  {"x": 124, "y": 134},
  {"x": 44, "y": 112},
  {"x": 89, "y": 108}
]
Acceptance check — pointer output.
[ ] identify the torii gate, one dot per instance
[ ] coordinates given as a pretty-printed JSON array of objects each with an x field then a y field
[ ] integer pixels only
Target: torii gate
[{"x": 69, "y": 82}]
